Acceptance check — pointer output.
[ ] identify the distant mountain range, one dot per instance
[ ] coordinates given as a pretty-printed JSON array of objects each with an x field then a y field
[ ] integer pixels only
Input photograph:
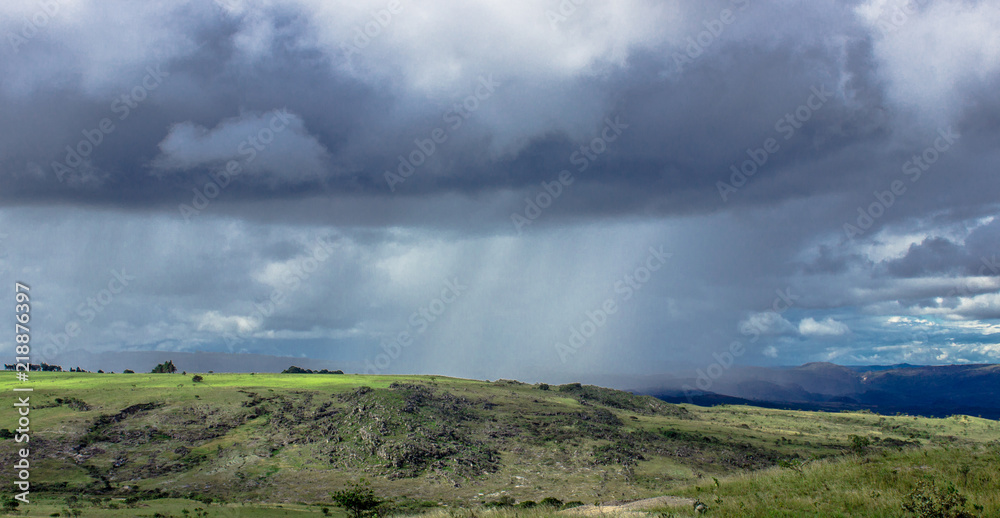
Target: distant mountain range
[
  {"x": 935, "y": 391},
  {"x": 910, "y": 389}
]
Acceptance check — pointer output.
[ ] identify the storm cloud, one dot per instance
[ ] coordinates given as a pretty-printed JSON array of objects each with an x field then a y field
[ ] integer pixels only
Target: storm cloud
[{"x": 310, "y": 179}]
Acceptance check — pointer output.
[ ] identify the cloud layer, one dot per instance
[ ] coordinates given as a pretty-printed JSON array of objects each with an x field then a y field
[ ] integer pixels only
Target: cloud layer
[{"x": 823, "y": 175}]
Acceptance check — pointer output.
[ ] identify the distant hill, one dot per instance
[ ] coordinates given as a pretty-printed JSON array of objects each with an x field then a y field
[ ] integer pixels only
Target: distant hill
[
  {"x": 125, "y": 445},
  {"x": 913, "y": 389},
  {"x": 143, "y": 361}
]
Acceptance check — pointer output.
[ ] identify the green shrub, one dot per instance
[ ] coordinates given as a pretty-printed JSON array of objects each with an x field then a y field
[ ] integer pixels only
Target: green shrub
[
  {"x": 503, "y": 501},
  {"x": 9, "y": 504},
  {"x": 551, "y": 501},
  {"x": 929, "y": 501},
  {"x": 858, "y": 443}
]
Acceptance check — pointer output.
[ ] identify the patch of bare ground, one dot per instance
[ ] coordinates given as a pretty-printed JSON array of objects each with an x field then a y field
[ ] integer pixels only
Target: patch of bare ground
[{"x": 637, "y": 506}]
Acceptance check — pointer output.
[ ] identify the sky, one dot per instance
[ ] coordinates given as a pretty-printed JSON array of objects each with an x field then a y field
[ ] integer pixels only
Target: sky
[{"x": 540, "y": 190}]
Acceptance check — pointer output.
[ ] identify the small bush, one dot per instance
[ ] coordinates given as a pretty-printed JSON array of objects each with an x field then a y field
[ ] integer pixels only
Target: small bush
[
  {"x": 859, "y": 444},
  {"x": 503, "y": 501},
  {"x": 570, "y": 387},
  {"x": 9, "y": 504},
  {"x": 929, "y": 501},
  {"x": 551, "y": 501},
  {"x": 197, "y": 379}
]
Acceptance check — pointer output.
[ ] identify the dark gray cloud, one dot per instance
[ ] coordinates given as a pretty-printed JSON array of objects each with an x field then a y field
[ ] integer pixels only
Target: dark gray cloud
[
  {"x": 827, "y": 150},
  {"x": 935, "y": 255}
]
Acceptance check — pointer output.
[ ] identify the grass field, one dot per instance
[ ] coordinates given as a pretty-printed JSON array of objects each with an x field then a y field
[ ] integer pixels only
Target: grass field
[{"x": 161, "y": 443}]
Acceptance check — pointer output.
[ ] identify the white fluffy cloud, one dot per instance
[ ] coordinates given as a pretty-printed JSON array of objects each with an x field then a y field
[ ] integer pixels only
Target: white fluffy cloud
[
  {"x": 930, "y": 54},
  {"x": 440, "y": 47},
  {"x": 215, "y": 322},
  {"x": 826, "y": 327},
  {"x": 766, "y": 323}
]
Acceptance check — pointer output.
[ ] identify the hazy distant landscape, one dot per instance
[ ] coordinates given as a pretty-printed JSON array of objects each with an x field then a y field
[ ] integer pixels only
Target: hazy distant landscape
[{"x": 938, "y": 391}]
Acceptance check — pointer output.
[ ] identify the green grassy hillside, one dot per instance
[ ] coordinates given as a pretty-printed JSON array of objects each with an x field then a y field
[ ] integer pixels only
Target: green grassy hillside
[
  {"x": 873, "y": 485},
  {"x": 164, "y": 441}
]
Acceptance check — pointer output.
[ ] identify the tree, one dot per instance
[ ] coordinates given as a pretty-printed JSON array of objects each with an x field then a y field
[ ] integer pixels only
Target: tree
[
  {"x": 128, "y": 371},
  {"x": 299, "y": 370},
  {"x": 197, "y": 378},
  {"x": 166, "y": 367},
  {"x": 359, "y": 500}
]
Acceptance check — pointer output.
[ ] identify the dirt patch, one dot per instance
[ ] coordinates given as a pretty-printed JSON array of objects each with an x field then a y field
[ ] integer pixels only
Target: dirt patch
[{"x": 636, "y": 506}]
